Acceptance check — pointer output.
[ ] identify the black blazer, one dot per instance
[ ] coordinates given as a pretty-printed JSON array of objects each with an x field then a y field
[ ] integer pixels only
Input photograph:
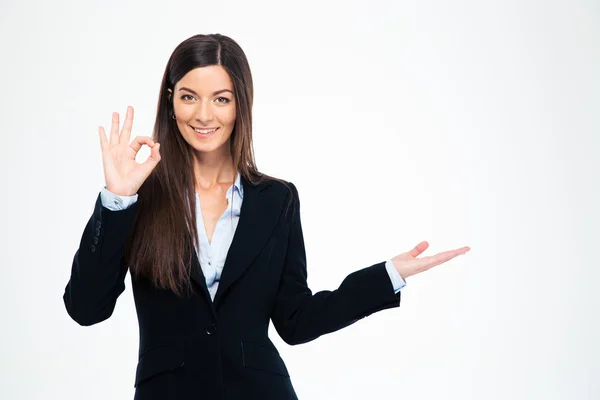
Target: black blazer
[{"x": 194, "y": 348}]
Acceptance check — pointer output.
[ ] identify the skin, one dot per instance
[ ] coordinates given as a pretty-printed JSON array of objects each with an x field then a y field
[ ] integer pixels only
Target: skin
[
  {"x": 213, "y": 165},
  {"x": 199, "y": 101},
  {"x": 201, "y": 108},
  {"x": 407, "y": 264}
]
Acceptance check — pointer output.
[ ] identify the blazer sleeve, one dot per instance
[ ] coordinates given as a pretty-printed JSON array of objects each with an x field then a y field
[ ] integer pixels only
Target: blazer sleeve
[
  {"x": 98, "y": 272},
  {"x": 300, "y": 316}
]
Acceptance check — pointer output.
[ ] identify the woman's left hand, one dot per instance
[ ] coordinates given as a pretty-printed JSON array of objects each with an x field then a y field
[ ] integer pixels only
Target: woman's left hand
[{"x": 407, "y": 264}]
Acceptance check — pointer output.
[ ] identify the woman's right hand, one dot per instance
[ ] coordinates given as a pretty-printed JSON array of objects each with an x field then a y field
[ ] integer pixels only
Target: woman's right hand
[{"x": 123, "y": 175}]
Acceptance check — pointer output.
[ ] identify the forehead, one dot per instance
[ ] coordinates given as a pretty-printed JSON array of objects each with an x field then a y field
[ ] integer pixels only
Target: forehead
[{"x": 206, "y": 79}]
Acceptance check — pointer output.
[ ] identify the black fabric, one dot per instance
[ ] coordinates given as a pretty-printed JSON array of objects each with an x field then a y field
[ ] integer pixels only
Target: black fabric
[{"x": 194, "y": 348}]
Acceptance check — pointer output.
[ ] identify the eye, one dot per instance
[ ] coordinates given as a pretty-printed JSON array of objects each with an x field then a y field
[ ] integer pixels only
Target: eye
[
  {"x": 186, "y": 95},
  {"x": 224, "y": 98}
]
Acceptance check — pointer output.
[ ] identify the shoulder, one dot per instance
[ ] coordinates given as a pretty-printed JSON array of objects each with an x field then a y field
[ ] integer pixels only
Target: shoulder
[
  {"x": 278, "y": 186},
  {"x": 283, "y": 189}
]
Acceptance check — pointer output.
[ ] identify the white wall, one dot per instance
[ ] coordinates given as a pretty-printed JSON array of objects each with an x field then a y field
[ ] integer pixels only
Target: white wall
[{"x": 466, "y": 123}]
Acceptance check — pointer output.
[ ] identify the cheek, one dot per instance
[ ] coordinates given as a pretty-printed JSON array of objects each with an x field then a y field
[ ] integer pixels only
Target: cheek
[
  {"x": 229, "y": 117},
  {"x": 183, "y": 113}
]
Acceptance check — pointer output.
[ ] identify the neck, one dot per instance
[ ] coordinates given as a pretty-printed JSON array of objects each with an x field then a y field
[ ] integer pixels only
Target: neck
[{"x": 212, "y": 169}]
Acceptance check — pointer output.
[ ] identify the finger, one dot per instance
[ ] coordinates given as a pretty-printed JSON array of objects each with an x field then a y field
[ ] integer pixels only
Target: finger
[
  {"x": 114, "y": 129},
  {"x": 139, "y": 141},
  {"x": 420, "y": 248},
  {"x": 154, "y": 158},
  {"x": 426, "y": 263},
  {"x": 103, "y": 140},
  {"x": 126, "y": 131}
]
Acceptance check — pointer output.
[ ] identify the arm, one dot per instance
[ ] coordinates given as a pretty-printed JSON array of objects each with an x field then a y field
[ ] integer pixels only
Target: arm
[
  {"x": 97, "y": 273},
  {"x": 300, "y": 316}
]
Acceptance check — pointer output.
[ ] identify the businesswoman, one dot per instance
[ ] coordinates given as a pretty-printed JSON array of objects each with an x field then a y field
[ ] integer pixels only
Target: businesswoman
[{"x": 214, "y": 247}]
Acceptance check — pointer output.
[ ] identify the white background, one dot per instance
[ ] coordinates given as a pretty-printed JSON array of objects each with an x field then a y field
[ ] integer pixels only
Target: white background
[{"x": 465, "y": 123}]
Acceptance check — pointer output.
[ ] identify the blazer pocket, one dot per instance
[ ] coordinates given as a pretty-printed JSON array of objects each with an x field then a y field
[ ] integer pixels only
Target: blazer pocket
[
  {"x": 158, "y": 360},
  {"x": 263, "y": 357}
]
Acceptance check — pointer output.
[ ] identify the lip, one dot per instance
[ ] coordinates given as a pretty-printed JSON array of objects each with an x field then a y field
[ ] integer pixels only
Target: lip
[
  {"x": 202, "y": 135},
  {"x": 212, "y": 127}
]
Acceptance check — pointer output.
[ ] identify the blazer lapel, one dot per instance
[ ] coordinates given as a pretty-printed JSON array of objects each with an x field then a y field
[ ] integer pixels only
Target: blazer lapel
[
  {"x": 198, "y": 276},
  {"x": 259, "y": 214},
  {"x": 260, "y": 210}
]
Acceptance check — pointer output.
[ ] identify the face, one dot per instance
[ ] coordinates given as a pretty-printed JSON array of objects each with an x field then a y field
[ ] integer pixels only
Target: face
[{"x": 203, "y": 99}]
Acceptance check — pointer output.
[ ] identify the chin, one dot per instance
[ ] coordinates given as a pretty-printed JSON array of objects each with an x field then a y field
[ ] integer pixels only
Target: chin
[{"x": 208, "y": 147}]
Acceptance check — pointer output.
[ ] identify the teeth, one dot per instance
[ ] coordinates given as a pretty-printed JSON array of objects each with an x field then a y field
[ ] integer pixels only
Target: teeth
[{"x": 204, "y": 130}]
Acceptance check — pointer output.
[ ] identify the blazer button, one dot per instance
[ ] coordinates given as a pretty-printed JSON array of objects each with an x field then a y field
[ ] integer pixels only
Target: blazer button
[
  {"x": 98, "y": 224},
  {"x": 93, "y": 248},
  {"x": 95, "y": 239},
  {"x": 210, "y": 329},
  {"x": 97, "y": 231}
]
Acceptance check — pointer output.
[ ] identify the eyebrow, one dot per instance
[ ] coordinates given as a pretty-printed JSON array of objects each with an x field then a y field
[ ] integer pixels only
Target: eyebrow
[{"x": 214, "y": 93}]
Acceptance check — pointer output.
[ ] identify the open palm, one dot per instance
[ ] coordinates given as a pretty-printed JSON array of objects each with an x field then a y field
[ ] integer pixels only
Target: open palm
[{"x": 407, "y": 264}]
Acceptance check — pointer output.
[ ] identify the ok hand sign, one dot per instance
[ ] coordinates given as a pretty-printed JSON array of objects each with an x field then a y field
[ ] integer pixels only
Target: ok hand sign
[{"x": 123, "y": 175}]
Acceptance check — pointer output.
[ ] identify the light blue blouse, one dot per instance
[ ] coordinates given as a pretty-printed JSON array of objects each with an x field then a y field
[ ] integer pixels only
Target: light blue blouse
[{"x": 212, "y": 255}]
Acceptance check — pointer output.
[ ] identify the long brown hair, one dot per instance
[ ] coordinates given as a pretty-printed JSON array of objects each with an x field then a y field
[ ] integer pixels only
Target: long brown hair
[{"x": 160, "y": 243}]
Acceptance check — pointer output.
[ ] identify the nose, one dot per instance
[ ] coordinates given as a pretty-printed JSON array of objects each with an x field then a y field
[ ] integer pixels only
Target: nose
[{"x": 204, "y": 112}]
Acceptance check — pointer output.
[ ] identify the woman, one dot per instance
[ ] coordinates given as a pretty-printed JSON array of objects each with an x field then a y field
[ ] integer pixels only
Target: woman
[{"x": 207, "y": 279}]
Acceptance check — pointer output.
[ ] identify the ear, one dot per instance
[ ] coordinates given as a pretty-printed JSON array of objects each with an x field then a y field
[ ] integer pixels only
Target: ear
[{"x": 170, "y": 93}]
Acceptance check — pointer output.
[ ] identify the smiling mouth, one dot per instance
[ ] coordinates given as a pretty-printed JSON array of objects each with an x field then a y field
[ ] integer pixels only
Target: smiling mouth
[{"x": 204, "y": 131}]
